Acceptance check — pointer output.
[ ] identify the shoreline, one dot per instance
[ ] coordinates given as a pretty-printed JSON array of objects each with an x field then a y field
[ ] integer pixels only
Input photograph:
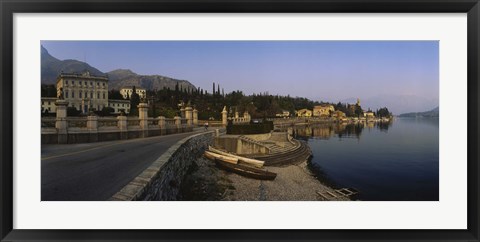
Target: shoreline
[{"x": 206, "y": 182}]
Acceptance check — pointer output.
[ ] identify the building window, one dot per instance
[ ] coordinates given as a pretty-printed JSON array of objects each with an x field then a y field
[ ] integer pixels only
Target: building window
[
  {"x": 66, "y": 94},
  {"x": 91, "y": 83},
  {"x": 103, "y": 95},
  {"x": 103, "y": 84},
  {"x": 80, "y": 94},
  {"x": 91, "y": 95},
  {"x": 98, "y": 95}
]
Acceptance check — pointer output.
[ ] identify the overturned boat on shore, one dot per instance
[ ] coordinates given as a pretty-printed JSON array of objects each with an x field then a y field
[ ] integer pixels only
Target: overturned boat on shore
[
  {"x": 212, "y": 156},
  {"x": 246, "y": 170},
  {"x": 253, "y": 162},
  {"x": 240, "y": 165}
]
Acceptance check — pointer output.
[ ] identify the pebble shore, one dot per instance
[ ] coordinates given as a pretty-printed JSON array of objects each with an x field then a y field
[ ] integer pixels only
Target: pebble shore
[{"x": 206, "y": 182}]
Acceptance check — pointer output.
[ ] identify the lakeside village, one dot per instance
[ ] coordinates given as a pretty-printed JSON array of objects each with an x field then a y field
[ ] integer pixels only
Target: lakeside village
[{"x": 252, "y": 153}]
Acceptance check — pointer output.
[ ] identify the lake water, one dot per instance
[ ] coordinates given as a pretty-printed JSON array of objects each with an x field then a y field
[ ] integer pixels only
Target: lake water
[{"x": 397, "y": 161}]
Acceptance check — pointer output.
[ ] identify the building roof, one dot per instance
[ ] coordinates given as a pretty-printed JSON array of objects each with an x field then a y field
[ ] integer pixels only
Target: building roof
[
  {"x": 304, "y": 110},
  {"x": 85, "y": 75}
]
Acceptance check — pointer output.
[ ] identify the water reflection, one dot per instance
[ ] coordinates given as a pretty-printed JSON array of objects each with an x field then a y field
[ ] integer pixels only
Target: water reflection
[
  {"x": 340, "y": 130},
  {"x": 384, "y": 161}
]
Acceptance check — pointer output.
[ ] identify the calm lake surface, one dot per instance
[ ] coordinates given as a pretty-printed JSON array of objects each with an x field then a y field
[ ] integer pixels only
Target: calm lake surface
[{"x": 397, "y": 161}]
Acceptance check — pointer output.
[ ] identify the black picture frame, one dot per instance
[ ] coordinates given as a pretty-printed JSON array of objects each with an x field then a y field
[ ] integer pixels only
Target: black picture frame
[{"x": 9, "y": 7}]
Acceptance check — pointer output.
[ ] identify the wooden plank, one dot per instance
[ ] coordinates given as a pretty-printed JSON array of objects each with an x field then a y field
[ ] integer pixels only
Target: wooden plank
[
  {"x": 331, "y": 194},
  {"x": 323, "y": 196}
]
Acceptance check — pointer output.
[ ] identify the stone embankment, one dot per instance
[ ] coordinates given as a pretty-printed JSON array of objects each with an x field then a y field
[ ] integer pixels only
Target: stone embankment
[{"x": 163, "y": 179}]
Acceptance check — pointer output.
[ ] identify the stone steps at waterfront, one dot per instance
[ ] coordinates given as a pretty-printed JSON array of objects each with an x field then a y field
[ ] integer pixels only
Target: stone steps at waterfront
[{"x": 297, "y": 155}]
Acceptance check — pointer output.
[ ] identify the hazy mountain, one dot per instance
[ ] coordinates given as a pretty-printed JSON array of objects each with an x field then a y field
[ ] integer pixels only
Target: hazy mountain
[
  {"x": 122, "y": 77},
  {"x": 396, "y": 103},
  {"x": 434, "y": 113},
  {"x": 51, "y": 67}
]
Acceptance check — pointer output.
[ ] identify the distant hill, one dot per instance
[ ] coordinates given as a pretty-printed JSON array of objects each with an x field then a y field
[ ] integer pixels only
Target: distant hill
[
  {"x": 434, "y": 113},
  {"x": 122, "y": 77},
  {"x": 52, "y": 67}
]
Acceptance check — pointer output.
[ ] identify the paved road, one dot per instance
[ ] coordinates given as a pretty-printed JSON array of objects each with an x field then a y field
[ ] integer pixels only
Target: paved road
[{"x": 96, "y": 171}]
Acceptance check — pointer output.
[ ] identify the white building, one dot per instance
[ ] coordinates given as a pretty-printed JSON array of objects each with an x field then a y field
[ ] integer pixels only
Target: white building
[
  {"x": 83, "y": 91},
  {"x": 127, "y": 92},
  {"x": 119, "y": 105}
]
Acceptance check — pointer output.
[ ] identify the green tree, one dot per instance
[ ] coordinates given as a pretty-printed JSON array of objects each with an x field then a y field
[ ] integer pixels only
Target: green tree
[
  {"x": 383, "y": 112},
  {"x": 358, "y": 111},
  {"x": 115, "y": 94},
  {"x": 48, "y": 91},
  {"x": 134, "y": 101}
]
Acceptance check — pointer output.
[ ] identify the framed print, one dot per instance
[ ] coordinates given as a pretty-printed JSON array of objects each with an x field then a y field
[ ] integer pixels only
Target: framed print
[{"x": 267, "y": 120}]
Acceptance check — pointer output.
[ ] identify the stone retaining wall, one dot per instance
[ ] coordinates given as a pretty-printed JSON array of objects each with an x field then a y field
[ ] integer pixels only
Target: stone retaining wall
[
  {"x": 240, "y": 146},
  {"x": 162, "y": 180}
]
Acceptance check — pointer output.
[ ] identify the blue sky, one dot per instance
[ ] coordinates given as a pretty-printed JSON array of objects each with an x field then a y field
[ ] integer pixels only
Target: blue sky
[{"x": 320, "y": 70}]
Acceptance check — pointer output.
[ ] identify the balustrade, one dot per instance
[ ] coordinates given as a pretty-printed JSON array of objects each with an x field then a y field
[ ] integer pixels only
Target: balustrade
[{"x": 64, "y": 126}]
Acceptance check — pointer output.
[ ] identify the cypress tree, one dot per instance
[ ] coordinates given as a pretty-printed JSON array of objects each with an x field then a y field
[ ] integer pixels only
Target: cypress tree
[{"x": 134, "y": 101}]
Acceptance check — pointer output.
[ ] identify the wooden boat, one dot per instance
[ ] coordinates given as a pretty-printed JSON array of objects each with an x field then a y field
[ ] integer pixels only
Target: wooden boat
[
  {"x": 246, "y": 170},
  {"x": 254, "y": 162},
  {"x": 213, "y": 156}
]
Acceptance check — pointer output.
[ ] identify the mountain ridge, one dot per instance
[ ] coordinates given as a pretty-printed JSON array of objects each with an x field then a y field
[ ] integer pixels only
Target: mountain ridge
[
  {"x": 51, "y": 67},
  {"x": 434, "y": 113}
]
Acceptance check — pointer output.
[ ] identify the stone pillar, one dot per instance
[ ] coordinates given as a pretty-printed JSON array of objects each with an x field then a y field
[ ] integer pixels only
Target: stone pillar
[
  {"x": 161, "y": 125},
  {"x": 236, "y": 115},
  {"x": 143, "y": 116},
  {"x": 195, "y": 117},
  {"x": 92, "y": 126},
  {"x": 61, "y": 122},
  {"x": 178, "y": 123},
  {"x": 182, "y": 112},
  {"x": 122, "y": 126},
  {"x": 246, "y": 116},
  {"x": 189, "y": 116},
  {"x": 92, "y": 123},
  {"x": 224, "y": 116},
  {"x": 122, "y": 123}
]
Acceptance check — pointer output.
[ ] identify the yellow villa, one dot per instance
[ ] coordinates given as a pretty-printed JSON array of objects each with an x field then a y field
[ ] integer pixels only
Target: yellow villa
[
  {"x": 304, "y": 113},
  {"x": 323, "y": 110}
]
